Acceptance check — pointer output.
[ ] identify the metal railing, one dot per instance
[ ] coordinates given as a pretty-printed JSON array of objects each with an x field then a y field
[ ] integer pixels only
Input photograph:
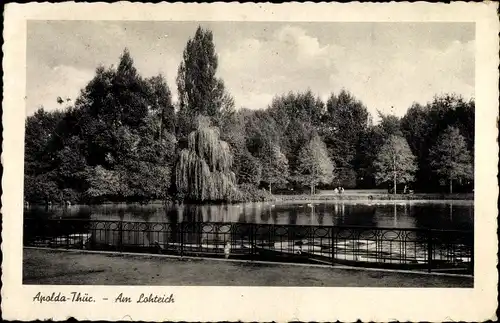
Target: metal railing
[{"x": 418, "y": 249}]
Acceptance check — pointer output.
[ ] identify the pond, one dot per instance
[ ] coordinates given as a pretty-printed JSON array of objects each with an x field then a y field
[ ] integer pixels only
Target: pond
[
  {"x": 447, "y": 215},
  {"x": 382, "y": 233}
]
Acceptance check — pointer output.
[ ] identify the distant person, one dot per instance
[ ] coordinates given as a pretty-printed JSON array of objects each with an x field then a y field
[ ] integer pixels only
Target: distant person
[
  {"x": 299, "y": 244},
  {"x": 336, "y": 191},
  {"x": 227, "y": 250}
]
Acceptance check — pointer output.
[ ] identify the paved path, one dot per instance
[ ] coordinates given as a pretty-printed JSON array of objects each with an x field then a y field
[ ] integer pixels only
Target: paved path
[{"x": 84, "y": 268}]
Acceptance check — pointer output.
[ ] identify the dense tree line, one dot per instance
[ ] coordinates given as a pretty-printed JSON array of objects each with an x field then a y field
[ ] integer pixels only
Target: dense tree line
[{"x": 124, "y": 139}]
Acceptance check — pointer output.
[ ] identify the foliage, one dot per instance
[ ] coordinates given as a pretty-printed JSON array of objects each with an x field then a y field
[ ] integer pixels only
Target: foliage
[
  {"x": 203, "y": 172},
  {"x": 345, "y": 177},
  {"x": 124, "y": 139},
  {"x": 369, "y": 145},
  {"x": 250, "y": 171},
  {"x": 423, "y": 124},
  {"x": 314, "y": 164},
  {"x": 450, "y": 158},
  {"x": 261, "y": 131},
  {"x": 263, "y": 142},
  {"x": 346, "y": 119},
  {"x": 250, "y": 193},
  {"x": 296, "y": 117},
  {"x": 232, "y": 131},
  {"x": 104, "y": 183},
  {"x": 161, "y": 106},
  {"x": 390, "y": 125},
  {"x": 200, "y": 91},
  {"x": 115, "y": 143},
  {"x": 395, "y": 162},
  {"x": 41, "y": 188},
  {"x": 40, "y": 130},
  {"x": 301, "y": 106},
  {"x": 274, "y": 167}
]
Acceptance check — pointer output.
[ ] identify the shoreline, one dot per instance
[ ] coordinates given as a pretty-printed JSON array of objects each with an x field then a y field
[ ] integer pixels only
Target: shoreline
[
  {"x": 379, "y": 197},
  {"x": 346, "y": 197}
]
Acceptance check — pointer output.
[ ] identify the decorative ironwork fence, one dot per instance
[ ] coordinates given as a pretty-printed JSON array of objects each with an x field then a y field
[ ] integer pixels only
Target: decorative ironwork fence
[{"x": 419, "y": 249}]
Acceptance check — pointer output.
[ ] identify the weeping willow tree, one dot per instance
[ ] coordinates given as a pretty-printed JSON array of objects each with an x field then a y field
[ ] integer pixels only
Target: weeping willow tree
[{"x": 203, "y": 171}]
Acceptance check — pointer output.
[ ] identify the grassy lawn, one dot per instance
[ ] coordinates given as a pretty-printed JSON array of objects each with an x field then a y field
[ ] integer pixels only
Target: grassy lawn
[
  {"x": 79, "y": 268},
  {"x": 377, "y": 195}
]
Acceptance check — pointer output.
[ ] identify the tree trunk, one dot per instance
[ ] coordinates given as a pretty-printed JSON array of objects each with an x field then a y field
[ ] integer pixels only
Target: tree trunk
[
  {"x": 451, "y": 186},
  {"x": 394, "y": 165},
  {"x": 395, "y": 183},
  {"x": 270, "y": 188},
  {"x": 312, "y": 189}
]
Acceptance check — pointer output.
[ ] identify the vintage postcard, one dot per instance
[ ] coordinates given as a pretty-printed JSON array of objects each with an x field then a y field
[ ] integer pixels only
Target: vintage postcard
[{"x": 250, "y": 162}]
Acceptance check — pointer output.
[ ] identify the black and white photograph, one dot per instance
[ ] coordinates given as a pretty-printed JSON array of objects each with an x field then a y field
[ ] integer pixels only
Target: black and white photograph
[{"x": 249, "y": 153}]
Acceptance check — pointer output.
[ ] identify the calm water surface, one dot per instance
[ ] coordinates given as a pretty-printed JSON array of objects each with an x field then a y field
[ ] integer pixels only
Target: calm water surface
[{"x": 404, "y": 214}]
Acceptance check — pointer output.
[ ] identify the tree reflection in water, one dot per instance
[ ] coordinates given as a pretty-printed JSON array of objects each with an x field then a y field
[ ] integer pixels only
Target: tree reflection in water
[{"x": 457, "y": 215}]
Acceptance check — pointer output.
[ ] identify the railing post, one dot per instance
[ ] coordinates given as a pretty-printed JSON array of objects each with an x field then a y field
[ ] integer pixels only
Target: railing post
[
  {"x": 182, "y": 238},
  {"x": 120, "y": 236},
  {"x": 429, "y": 250},
  {"x": 67, "y": 234},
  {"x": 472, "y": 256},
  {"x": 252, "y": 241},
  {"x": 93, "y": 233},
  {"x": 332, "y": 246}
]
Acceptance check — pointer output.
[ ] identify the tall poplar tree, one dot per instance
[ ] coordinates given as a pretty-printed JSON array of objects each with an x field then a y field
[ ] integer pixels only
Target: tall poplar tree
[{"x": 200, "y": 91}]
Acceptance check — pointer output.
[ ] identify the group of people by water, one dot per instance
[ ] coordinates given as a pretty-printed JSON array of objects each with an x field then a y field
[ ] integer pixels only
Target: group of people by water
[{"x": 338, "y": 190}]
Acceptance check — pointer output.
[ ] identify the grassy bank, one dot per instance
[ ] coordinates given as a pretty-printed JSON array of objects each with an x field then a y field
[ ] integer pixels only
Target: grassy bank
[
  {"x": 365, "y": 195},
  {"x": 376, "y": 196},
  {"x": 57, "y": 267}
]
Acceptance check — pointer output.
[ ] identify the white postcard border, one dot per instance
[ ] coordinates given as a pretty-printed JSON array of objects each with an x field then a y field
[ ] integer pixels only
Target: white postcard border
[{"x": 258, "y": 303}]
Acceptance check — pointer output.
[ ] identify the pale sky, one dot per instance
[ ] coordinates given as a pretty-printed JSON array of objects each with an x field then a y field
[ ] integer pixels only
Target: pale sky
[{"x": 382, "y": 64}]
